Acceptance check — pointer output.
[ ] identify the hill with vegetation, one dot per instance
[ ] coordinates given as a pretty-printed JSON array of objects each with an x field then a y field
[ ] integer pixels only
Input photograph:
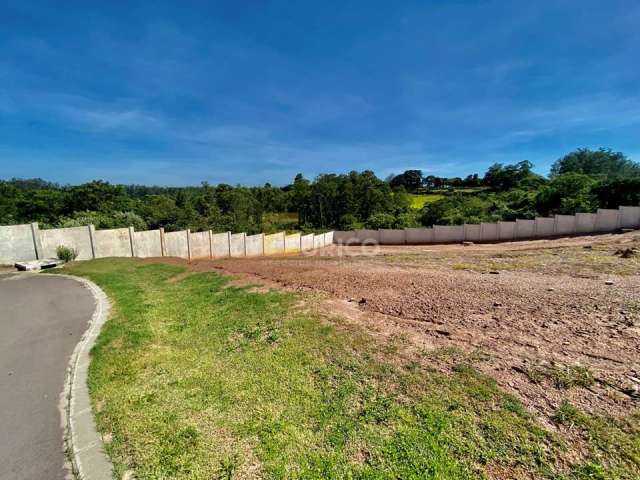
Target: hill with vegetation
[{"x": 581, "y": 181}]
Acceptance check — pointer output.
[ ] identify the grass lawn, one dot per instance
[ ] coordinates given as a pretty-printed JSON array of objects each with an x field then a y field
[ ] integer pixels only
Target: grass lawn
[
  {"x": 420, "y": 200},
  {"x": 192, "y": 378}
]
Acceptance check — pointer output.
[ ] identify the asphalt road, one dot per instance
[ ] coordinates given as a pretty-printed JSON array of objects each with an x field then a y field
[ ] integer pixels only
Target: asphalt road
[{"x": 42, "y": 318}]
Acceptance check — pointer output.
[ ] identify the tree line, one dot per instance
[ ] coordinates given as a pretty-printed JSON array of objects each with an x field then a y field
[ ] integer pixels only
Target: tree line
[{"x": 581, "y": 181}]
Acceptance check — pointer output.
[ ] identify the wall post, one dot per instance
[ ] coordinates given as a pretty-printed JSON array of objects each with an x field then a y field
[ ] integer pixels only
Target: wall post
[
  {"x": 162, "y": 249},
  {"x": 92, "y": 239},
  {"x": 132, "y": 242},
  {"x": 37, "y": 242},
  {"x": 210, "y": 244},
  {"x": 189, "y": 244},
  {"x": 244, "y": 242},
  {"x": 229, "y": 243}
]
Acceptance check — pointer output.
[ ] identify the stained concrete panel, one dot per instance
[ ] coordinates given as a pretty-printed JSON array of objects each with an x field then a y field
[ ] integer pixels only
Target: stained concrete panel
[
  {"x": 274, "y": 244},
  {"x": 545, "y": 227},
  {"x": 237, "y": 245},
  {"x": 292, "y": 243},
  {"x": 147, "y": 243},
  {"x": 368, "y": 237},
  {"x": 176, "y": 244},
  {"x": 16, "y": 244},
  {"x": 348, "y": 237},
  {"x": 392, "y": 237},
  {"x": 490, "y": 232},
  {"x": 506, "y": 231},
  {"x": 472, "y": 232},
  {"x": 419, "y": 236},
  {"x": 112, "y": 243},
  {"x": 200, "y": 247},
  {"x": 448, "y": 233},
  {"x": 73, "y": 237},
  {"x": 608, "y": 220},
  {"x": 525, "y": 228},
  {"x": 565, "y": 225},
  {"x": 254, "y": 245},
  {"x": 220, "y": 243},
  {"x": 629, "y": 217},
  {"x": 307, "y": 242},
  {"x": 586, "y": 222}
]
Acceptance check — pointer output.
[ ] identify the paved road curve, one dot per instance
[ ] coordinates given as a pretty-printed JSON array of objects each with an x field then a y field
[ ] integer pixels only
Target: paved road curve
[{"x": 41, "y": 320}]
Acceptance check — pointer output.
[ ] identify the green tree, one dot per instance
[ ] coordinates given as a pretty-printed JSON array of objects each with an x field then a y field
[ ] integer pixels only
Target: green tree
[
  {"x": 566, "y": 194},
  {"x": 602, "y": 162}
]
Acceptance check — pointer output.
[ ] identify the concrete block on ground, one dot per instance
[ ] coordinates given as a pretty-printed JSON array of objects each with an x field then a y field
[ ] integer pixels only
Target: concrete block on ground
[
  {"x": 274, "y": 244},
  {"x": 306, "y": 242},
  {"x": 607, "y": 220},
  {"x": 292, "y": 243},
  {"x": 148, "y": 243},
  {"x": 565, "y": 224},
  {"x": 418, "y": 236},
  {"x": 472, "y": 232},
  {"x": 176, "y": 244},
  {"x": 367, "y": 237},
  {"x": 448, "y": 233},
  {"x": 77, "y": 238},
  {"x": 506, "y": 231},
  {"x": 525, "y": 228},
  {"x": 220, "y": 244},
  {"x": 490, "y": 232},
  {"x": 200, "y": 245},
  {"x": 38, "y": 264},
  {"x": 545, "y": 227},
  {"x": 237, "y": 244},
  {"x": 392, "y": 237},
  {"x": 254, "y": 245},
  {"x": 629, "y": 217}
]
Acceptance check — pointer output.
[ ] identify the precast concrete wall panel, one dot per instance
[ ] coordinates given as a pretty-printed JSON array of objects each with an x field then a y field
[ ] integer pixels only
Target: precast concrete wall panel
[
  {"x": 418, "y": 236},
  {"x": 345, "y": 237},
  {"x": 78, "y": 238},
  {"x": 200, "y": 247},
  {"x": 254, "y": 245},
  {"x": 506, "y": 230},
  {"x": 586, "y": 222},
  {"x": 16, "y": 244},
  {"x": 147, "y": 243},
  {"x": 490, "y": 232},
  {"x": 220, "y": 243},
  {"x": 318, "y": 241},
  {"x": 608, "y": 220},
  {"x": 565, "y": 225},
  {"x": 392, "y": 237},
  {"x": 448, "y": 233},
  {"x": 629, "y": 217},
  {"x": 307, "y": 242},
  {"x": 368, "y": 237},
  {"x": 237, "y": 244},
  {"x": 175, "y": 244},
  {"x": 274, "y": 244},
  {"x": 328, "y": 238},
  {"x": 472, "y": 233},
  {"x": 292, "y": 243},
  {"x": 525, "y": 228},
  {"x": 545, "y": 227}
]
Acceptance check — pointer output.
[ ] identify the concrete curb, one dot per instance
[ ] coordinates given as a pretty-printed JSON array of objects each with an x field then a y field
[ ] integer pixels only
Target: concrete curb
[{"x": 82, "y": 441}]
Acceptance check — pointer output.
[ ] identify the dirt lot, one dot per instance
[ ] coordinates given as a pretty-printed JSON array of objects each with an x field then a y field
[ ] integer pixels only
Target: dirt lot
[{"x": 549, "y": 320}]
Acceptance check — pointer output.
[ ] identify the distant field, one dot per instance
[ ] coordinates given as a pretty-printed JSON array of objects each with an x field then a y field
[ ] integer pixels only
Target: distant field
[
  {"x": 419, "y": 201},
  {"x": 275, "y": 222}
]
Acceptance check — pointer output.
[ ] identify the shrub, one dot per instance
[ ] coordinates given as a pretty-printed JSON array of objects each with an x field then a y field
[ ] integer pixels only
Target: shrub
[
  {"x": 66, "y": 254},
  {"x": 381, "y": 220}
]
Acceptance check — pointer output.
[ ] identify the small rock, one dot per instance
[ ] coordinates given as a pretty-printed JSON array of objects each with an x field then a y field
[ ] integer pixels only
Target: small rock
[
  {"x": 362, "y": 301},
  {"x": 467, "y": 244},
  {"x": 446, "y": 333},
  {"x": 550, "y": 289},
  {"x": 587, "y": 247},
  {"x": 497, "y": 304},
  {"x": 608, "y": 282},
  {"x": 494, "y": 272}
]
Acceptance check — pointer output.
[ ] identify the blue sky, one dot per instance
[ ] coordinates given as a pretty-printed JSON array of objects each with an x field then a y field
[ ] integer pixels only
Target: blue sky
[{"x": 174, "y": 93}]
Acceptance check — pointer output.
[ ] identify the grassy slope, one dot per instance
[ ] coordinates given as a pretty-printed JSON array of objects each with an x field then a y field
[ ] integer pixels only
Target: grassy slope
[
  {"x": 419, "y": 200},
  {"x": 194, "y": 379}
]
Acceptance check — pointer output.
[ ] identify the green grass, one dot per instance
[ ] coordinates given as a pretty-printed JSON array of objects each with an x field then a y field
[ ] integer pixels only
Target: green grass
[
  {"x": 194, "y": 379},
  {"x": 420, "y": 200}
]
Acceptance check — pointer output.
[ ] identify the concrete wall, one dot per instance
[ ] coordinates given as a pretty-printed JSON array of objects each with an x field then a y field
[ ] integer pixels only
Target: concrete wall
[
  {"x": 307, "y": 242},
  {"x": 112, "y": 243},
  {"x": 448, "y": 233},
  {"x": 16, "y": 244},
  {"x": 236, "y": 244},
  {"x": 525, "y": 229},
  {"x": 490, "y": 232},
  {"x": 175, "y": 244},
  {"x": 629, "y": 217},
  {"x": 147, "y": 244},
  {"x": 607, "y": 220},
  {"x": 586, "y": 222},
  {"x": 370, "y": 237},
  {"x": 274, "y": 244},
  {"x": 545, "y": 227},
  {"x": 393, "y": 237},
  {"x": 418, "y": 236},
  {"x": 318, "y": 241},
  {"x": 348, "y": 237},
  {"x": 292, "y": 243},
  {"x": 506, "y": 231},
  {"x": 565, "y": 225},
  {"x": 472, "y": 232},
  {"x": 74, "y": 237},
  {"x": 254, "y": 245},
  {"x": 200, "y": 246},
  {"x": 328, "y": 238},
  {"x": 220, "y": 244}
]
